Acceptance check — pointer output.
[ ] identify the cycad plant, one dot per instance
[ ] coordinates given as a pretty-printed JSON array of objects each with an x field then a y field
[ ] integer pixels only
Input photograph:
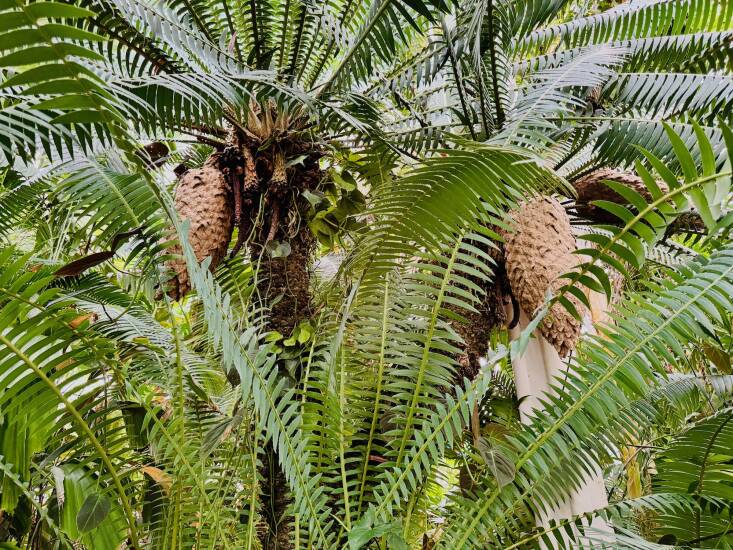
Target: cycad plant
[{"x": 259, "y": 262}]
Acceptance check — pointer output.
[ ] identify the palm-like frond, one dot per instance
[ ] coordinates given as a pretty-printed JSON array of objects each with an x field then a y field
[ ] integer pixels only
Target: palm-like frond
[
  {"x": 672, "y": 94},
  {"x": 69, "y": 101},
  {"x": 54, "y": 380},
  {"x": 632, "y": 21},
  {"x": 626, "y": 246},
  {"x": 480, "y": 183},
  {"x": 694, "y": 465},
  {"x": 554, "y": 93},
  {"x": 611, "y": 369}
]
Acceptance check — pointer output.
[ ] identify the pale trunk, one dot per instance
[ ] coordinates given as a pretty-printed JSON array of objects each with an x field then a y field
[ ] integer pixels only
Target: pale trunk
[{"x": 534, "y": 373}]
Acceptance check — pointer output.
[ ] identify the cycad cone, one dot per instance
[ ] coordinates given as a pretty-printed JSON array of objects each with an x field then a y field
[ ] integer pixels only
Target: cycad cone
[
  {"x": 538, "y": 250},
  {"x": 594, "y": 187},
  {"x": 202, "y": 198}
]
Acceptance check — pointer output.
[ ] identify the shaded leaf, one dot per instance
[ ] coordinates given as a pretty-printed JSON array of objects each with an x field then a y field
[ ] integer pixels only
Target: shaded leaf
[{"x": 93, "y": 511}]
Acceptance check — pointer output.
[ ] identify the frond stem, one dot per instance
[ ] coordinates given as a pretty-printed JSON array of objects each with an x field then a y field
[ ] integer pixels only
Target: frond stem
[
  {"x": 377, "y": 395},
  {"x": 494, "y": 76}
]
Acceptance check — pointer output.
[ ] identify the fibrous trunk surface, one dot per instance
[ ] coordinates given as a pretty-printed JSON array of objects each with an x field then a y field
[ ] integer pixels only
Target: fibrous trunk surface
[
  {"x": 286, "y": 281},
  {"x": 476, "y": 326}
]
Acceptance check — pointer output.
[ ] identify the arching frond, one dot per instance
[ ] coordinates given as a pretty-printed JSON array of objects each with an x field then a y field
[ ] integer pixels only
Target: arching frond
[
  {"x": 610, "y": 370},
  {"x": 694, "y": 465},
  {"x": 480, "y": 183},
  {"x": 52, "y": 99},
  {"x": 667, "y": 95},
  {"x": 625, "y": 248},
  {"x": 633, "y": 21}
]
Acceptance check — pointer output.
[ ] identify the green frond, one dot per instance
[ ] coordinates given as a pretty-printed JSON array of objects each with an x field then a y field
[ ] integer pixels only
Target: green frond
[
  {"x": 376, "y": 35},
  {"x": 51, "y": 98},
  {"x": 619, "y": 141},
  {"x": 695, "y": 464},
  {"x": 632, "y": 21},
  {"x": 554, "y": 93},
  {"x": 701, "y": 185},
  {"x": 275, "y": 407},
  {"x": 524, "y": 17},
  {"x": 429, "y": 445},
  {"x": 180, "y": 33},
  {"x": 697, "y": 52},
  {"x": 666, "y": 95},
  {"x": 128, "y": 49},
  {"x": 611, "y": 369},
  {"x": 49, "y": 381},
  {"x": 19, "y": 201},
  {"x": 109, "y": 202},
  {"x": 441, "y": 199}
]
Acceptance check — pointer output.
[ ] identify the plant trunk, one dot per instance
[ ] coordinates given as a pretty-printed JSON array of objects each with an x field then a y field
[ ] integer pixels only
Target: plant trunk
[
  {"x": 283, "y": 286},
  {"x": 475, "y": 330},
  {"x": 255, "y": 183},
  {"x": 275, "y": 531}
]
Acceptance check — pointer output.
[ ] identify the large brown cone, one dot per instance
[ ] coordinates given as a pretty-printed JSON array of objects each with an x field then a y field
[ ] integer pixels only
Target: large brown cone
[
  {"x": 592, "y": 187},
  {"x": 538, "y": 251},
  {"x": 202, "y": 198}
]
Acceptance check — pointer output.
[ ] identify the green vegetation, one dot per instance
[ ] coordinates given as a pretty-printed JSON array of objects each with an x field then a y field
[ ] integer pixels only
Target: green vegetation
[{"x": 255, "y": 293}]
